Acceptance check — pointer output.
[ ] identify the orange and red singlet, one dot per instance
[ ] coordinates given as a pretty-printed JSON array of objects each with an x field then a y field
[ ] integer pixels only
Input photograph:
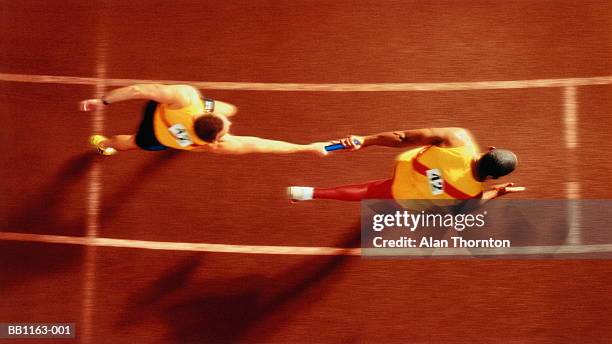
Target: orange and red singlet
[{"x": 433, "y": 172}]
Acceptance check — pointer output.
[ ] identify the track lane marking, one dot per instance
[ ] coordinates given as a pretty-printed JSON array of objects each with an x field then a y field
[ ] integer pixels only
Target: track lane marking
[
  {"x": 572, "y": 143},
  {"x": 94, "y": 194},
  {"x": 289, "y": 250},
  {"x": 339, "y": 87}
]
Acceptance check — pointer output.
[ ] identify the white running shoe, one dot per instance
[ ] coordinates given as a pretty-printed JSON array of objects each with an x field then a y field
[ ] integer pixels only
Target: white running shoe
[{"x": 300, "y": 193}]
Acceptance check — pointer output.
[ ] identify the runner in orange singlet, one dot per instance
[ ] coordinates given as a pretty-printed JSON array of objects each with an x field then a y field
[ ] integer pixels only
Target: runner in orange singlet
[
  {"x": 447, "y": 164},
  {"x": 177, "y": 116}
]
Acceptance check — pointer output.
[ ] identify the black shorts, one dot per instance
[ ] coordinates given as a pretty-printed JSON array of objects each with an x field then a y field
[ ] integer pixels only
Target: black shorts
[{"x": 145, "y": 138}]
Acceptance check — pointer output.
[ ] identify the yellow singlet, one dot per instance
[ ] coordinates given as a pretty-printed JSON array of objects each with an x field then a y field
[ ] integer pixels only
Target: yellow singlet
[
  {"x": 174, "y": 127},
  {"x": 433, "y": 172}
]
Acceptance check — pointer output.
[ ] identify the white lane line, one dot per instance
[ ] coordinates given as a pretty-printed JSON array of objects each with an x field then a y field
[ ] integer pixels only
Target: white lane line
[
  {"x": 177, "y": 246},
  {"x": 290, "y": 250},
  {"x": 341, "y": 87},
  {"x": 574, "y": 213},
  {"x": 93, "y": 199},
  {"x": 88, "y": 292},
  {"x": 572, "y": 186},
  {"x": 508, "y": 251},
  {"x": 570, "y": 117}
]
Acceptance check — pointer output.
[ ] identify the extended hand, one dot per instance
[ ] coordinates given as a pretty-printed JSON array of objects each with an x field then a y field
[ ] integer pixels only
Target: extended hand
[
  {"x": 505, "y": 188},
  {"x": 352, "y": 142},
  {"x": 91, "y": 104}
]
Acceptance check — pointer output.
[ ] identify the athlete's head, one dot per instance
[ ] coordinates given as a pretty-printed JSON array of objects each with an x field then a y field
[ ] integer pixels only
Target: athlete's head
[
  {"x": 211, "y": 127},
  {"x": 496, "y": 163}
]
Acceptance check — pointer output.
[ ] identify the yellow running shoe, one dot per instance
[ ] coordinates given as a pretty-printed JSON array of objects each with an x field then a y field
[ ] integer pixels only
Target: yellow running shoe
[{"x": 95, "y": 140}]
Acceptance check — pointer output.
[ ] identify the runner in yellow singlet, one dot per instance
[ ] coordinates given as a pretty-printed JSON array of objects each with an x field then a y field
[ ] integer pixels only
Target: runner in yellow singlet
[
  {"x": 447, "y": 164},
  {"x": 177, "y": 116}
]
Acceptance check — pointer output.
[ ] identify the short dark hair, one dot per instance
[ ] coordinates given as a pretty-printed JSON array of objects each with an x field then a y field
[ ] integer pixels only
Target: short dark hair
[
  {"x": 207, "y": 127},
  {"x": 496, "y": 163}
]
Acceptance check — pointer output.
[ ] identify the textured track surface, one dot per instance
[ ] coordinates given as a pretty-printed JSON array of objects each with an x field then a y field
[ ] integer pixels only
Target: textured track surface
[{"x": 120, "y": 295}]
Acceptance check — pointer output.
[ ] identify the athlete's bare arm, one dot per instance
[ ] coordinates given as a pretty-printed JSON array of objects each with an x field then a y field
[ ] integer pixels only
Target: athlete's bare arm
[
  {"x": 175, "y": 96},
  {"x": 500, "y": 190},
  {"x": 494, "y": 192},
  {"x": 443, "y": 137},
  {"x": 231, "y": 144}
]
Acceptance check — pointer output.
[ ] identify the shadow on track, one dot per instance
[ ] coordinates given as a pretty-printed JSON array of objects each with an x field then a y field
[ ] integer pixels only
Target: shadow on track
[
  {"x": 132, "y": 185},
  {"x": 44, "y": 215},
  {"x": 41, "y": 214},
  {"x": 228, "y": 310}
]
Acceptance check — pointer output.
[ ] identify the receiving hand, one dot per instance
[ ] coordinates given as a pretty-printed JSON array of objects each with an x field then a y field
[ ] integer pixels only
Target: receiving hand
[
  {"x": 506, "y": 188},
  {"x": 351, "y": 143}
]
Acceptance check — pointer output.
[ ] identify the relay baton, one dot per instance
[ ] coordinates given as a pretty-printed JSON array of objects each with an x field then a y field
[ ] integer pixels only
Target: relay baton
[{"x": 339, "y": 146}]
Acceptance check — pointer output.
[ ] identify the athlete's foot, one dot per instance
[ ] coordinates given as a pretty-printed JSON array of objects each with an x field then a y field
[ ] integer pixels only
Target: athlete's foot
[
  {"x": 300, "y": 193},
  {"x": 95, "y": 141}
]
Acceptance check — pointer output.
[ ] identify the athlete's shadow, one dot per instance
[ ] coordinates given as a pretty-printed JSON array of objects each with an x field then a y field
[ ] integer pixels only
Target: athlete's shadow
[
  {"x": 48, "y": 214},
  {"x": 227, "y": 310},
  {"x": 133, "y": 185},
  {"x": 42, "y": 215}
]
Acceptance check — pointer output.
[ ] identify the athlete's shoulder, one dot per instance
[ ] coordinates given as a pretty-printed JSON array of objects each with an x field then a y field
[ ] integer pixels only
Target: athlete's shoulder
[
  {"x": 185, "y": 89},
  {"x": 453, "y": 137},
  {"x": 186, "y": 95},
  {"x": 465, "y": 138},
  {"x": 225, "y": 109}
]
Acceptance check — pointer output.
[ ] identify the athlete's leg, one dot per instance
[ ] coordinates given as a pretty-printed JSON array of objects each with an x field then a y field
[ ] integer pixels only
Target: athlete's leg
[
  {"x": 379, "y": 189},
  {"x": 144, "y": 139},
  {"x": 120, "y": 142}
]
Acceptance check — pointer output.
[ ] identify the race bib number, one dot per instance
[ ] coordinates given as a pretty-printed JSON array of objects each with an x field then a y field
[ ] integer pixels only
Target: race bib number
[
  {"x": 436, "y": 183},
  {"x": 181, "y": 135}
]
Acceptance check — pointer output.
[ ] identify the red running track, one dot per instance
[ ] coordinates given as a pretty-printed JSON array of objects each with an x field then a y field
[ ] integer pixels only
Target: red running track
[{"x": 122, "y": 295}]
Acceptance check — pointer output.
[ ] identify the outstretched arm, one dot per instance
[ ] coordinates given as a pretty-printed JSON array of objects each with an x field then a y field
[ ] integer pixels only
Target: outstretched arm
[
  {"x": 444, "y": 137},
  {"x": 175, "y": 96},
  {"x": 495, "y": 191},
  {"x": 231, "y": 144},
  {"x": 500, "y": 190},
  {"x": 400, "y": 139}
]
